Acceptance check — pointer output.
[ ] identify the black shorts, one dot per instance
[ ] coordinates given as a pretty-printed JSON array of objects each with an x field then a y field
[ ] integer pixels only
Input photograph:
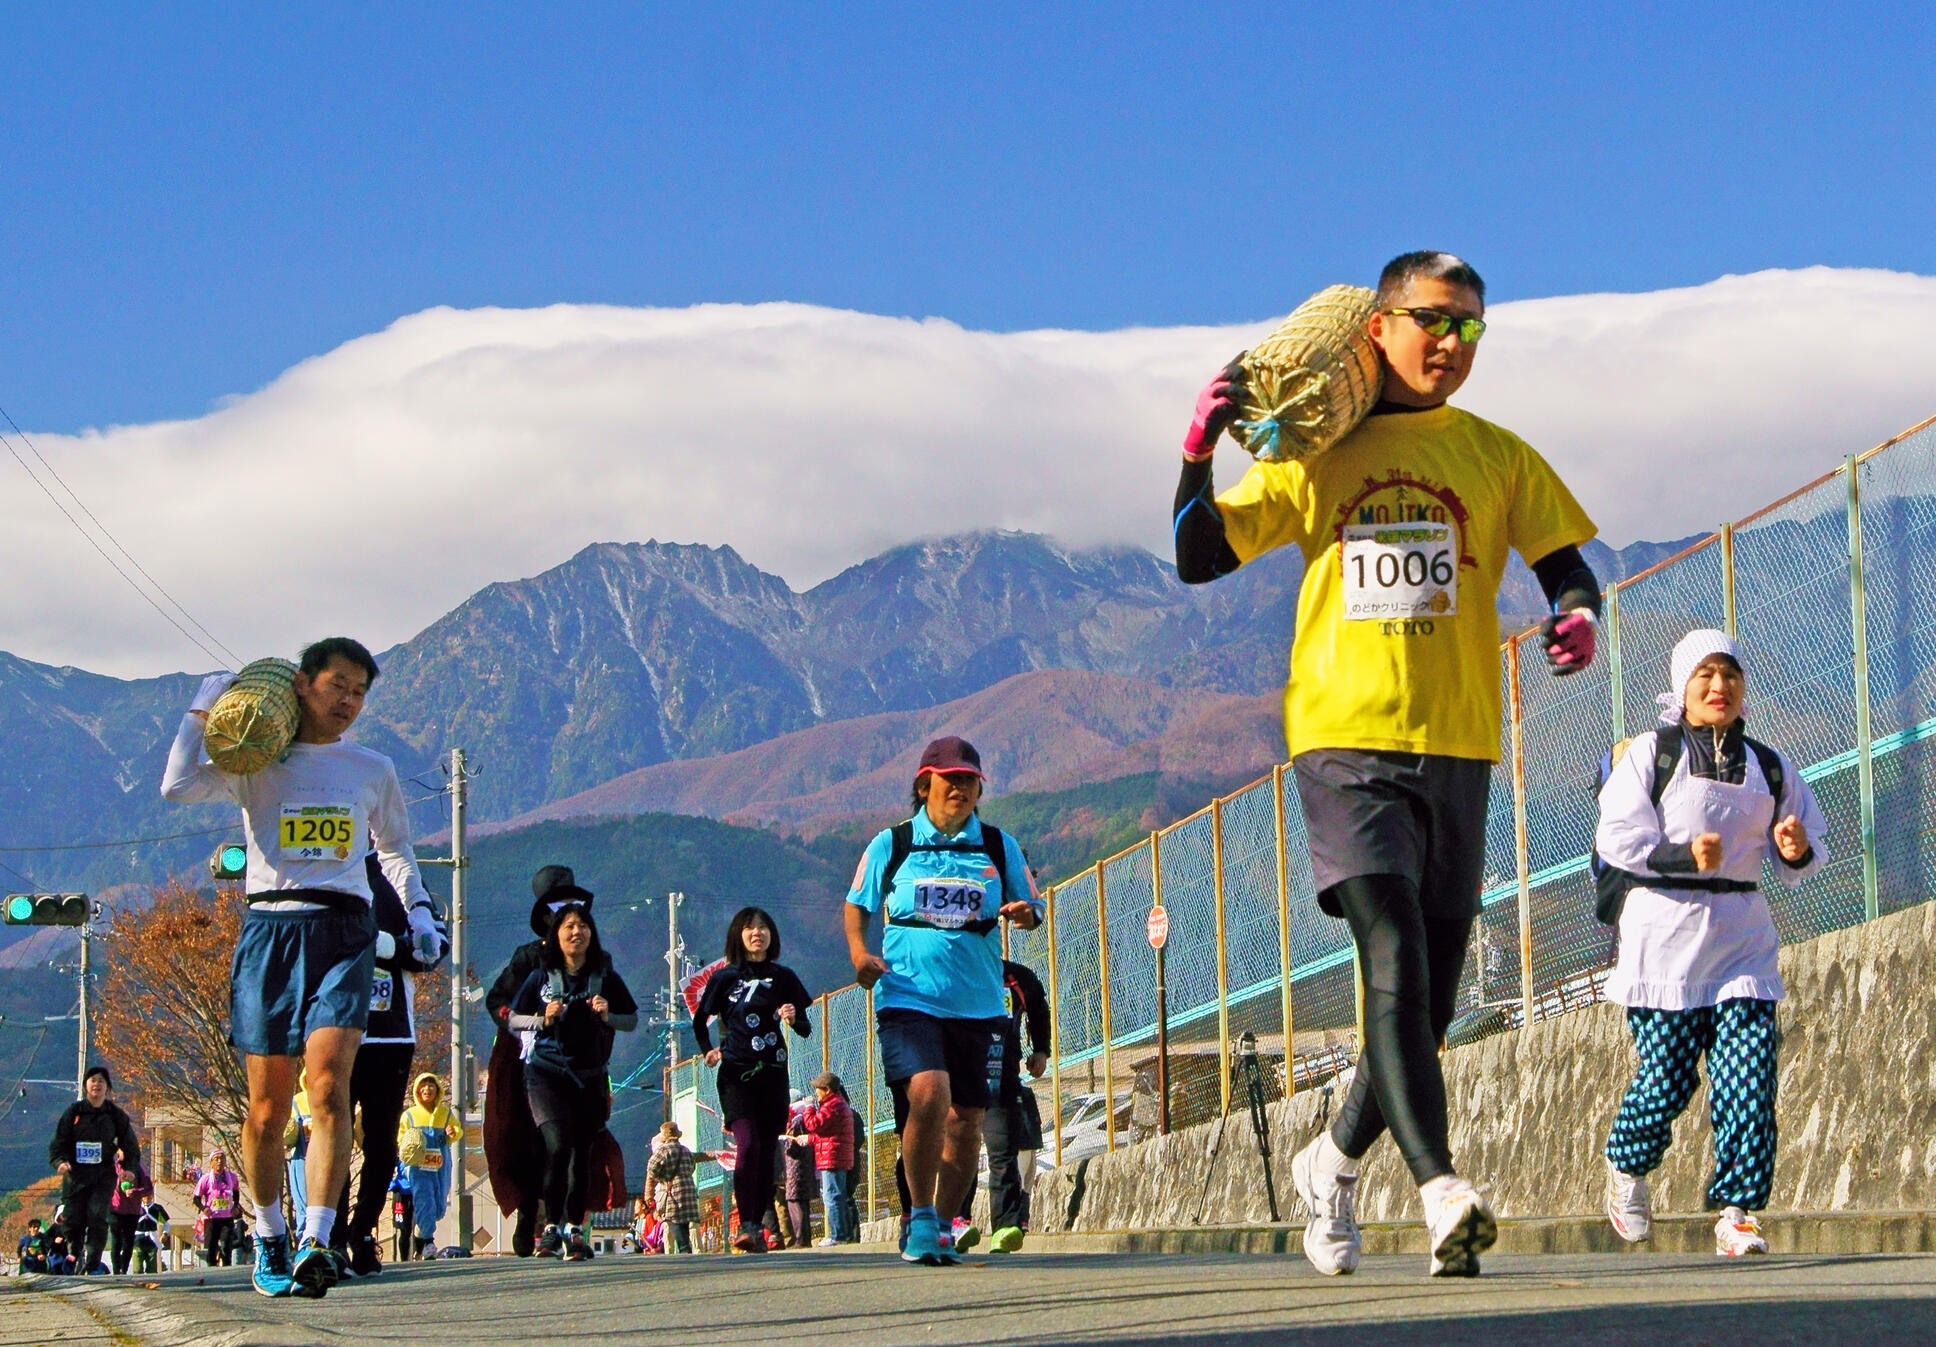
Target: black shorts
[
  {"x": 970, "y": 1051},
  {"x": 1416, "y": 815}
]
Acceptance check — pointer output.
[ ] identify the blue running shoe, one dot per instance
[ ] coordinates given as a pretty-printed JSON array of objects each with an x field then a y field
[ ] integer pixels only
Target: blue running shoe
[
  {"x": 314, "y": 1270},
  {"x": 923, "y": 1240},
  {"x": 271, "y": 1275}
]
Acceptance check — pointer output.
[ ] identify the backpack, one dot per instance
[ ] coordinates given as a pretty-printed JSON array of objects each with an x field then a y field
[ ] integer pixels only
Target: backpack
[
  {"x": 1610, "y": 885},
  {"x": 902, "y": 845}
]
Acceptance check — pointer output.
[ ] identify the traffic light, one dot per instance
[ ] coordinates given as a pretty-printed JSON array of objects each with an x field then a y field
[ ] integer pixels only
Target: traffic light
[
  {"x": 229, "y": 863},
  {"x": 46, "y": 909}
]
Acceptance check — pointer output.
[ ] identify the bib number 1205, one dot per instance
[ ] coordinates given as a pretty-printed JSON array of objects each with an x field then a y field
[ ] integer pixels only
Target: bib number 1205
[{"x": 1400, "y": 570}]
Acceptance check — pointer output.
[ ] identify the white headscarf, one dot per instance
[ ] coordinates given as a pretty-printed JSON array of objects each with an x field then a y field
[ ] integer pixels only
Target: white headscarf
[{"x": 1694, "y": 647}]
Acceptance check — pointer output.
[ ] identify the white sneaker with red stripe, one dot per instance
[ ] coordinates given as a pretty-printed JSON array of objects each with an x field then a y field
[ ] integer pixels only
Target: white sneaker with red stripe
[
  {"x": 1630, "y": 1206},
  {"x": 1737, "y": 1233}
]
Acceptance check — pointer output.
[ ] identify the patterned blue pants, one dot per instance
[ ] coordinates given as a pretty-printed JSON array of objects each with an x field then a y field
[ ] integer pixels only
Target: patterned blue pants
[{"x": 1739, "y": 1039}]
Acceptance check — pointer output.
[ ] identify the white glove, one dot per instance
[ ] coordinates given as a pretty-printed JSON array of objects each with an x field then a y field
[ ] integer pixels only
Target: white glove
[
  {"x": 428, "y": 943},
  {"x": 211, "y": 690},
  {"x": 386, "y": 946}
]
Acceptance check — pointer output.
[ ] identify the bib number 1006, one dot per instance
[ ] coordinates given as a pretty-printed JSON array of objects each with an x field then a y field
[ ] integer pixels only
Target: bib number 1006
[{"x": 1400, "y": 571}]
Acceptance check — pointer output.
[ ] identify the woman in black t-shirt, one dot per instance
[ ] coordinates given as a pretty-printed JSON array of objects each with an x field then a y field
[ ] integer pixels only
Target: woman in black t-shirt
[
  {"x": 568, "y": 1009},
  {"x": 753, "y": 995}
]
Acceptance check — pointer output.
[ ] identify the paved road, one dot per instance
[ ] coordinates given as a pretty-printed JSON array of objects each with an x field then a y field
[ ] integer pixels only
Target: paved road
[{"x": 866, "y": 1298}]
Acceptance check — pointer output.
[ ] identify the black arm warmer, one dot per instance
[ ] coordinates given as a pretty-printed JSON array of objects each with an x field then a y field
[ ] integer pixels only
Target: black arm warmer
[
  {"x": 1202, "y": 552},
  {"x": 1567, "y": 581}
]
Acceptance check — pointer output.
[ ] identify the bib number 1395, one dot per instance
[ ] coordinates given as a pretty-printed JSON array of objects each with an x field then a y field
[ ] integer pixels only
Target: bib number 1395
[{"x": 1400, "y": 570}]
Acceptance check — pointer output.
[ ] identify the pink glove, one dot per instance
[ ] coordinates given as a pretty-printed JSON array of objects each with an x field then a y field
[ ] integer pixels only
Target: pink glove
[
  {"x": 1218, "y": 405},
  {"x": 1569, "y": 640}
]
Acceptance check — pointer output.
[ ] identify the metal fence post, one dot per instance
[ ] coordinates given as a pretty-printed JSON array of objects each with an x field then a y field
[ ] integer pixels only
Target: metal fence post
[
  {"x": 826, "y": 1031},
  {"x": 1223, "y": 977},
  {"x": 1616, "y": 676},
  {"x": 1162, "y": 992},
  {"x": 873, "y": 1095},
  {"x": 1055, "y": 1022},
  {"x": 1102, "y": 964},
  {"x": 1864, "y": 742},
  {"x": 1519, "y": 839},
  {"x": 1727, "y": 577},
  {"x": 1284, "y": 928}
]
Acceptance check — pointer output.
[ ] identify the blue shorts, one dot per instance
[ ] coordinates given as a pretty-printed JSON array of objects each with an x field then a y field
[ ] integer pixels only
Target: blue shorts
[
  {"x": 970, "y": 1051},
  {"x": 297, "y": 972}
]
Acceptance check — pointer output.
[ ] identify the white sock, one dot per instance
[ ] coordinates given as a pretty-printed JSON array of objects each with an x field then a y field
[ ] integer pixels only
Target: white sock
[
  {"x": 268, "y": 1219},
  {"x": 1332, "y": 1160},
  {"x": 318, "y": 1222}
]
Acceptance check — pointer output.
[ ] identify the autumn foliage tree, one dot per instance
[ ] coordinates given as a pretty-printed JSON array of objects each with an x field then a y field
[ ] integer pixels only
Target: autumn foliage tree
[{"x": 163, "y": 1006}]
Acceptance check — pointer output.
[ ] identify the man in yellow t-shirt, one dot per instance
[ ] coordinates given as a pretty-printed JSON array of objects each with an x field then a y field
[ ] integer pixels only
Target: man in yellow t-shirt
[{"x": 1392, "y": 712}]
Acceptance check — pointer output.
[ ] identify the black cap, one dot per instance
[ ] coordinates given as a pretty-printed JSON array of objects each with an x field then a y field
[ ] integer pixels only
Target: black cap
[
  {"x": 553, "y": 887},
  {"x": 950, "y": 753}
]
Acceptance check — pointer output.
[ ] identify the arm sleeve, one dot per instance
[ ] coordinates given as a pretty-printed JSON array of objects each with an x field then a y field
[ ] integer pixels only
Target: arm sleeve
[
  {"x": 1799, "y": 800},
  {"x": 1567, "y": 581},
  {"x": 1630, "y": 827},
  {"x": 708, "y": 1007},
  {"x": 390, "y": 825},
  {"x": 527, "y": 1006},
  {"x": 190, "y": 778},
  {"x": 1035, "y": 1009},
  {"x": 1196, "y": 527},
  {"x": 61, "y": 1148},
  {"x": 796, "y": 994}
]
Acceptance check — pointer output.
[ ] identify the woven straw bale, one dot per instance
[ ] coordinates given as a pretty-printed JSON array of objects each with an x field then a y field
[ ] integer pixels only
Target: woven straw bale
[
  {"x": 1313, "y": 379},
  {"x": 255, "y": 721}
]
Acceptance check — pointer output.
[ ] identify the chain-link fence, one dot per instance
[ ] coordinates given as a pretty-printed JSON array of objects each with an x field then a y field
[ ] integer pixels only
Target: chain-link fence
[{"x": 1832, "y": 593}]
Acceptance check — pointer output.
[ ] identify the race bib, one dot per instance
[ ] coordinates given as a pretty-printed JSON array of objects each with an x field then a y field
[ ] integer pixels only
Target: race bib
[
  {"x": 432, "y": 1160},
  {"x": 380, "y": 990},
  {"x": 317, "y": 832},
  {"x": 1400, "y": 570},
  {"x": 220, "y": 1203},
  {"x": 87, "y": 1153},
  {"x": 949, "y": 904}
]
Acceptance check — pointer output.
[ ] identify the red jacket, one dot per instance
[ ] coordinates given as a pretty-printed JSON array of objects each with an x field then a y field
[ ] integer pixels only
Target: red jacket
[{"x": 831, "y": 1125}]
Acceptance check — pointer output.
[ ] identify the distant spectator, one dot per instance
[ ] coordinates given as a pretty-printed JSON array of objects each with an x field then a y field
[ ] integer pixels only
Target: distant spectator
[
  {"x": 150, "y": 1229},
  {"x": 32, "y": 1249},
  {"x": 796, "y": 1154},
  {"x": 218, "y": 1196},
  {"x": 830, "y": 1122},
  {"x": 60, "y": 1254},
  {"x": 668, "y": 1175},
  {"x": 134, "y": 1189}
]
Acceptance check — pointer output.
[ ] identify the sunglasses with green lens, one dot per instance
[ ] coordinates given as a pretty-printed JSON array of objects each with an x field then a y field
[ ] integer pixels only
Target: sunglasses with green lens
[{"x": 1437, "y": 324}]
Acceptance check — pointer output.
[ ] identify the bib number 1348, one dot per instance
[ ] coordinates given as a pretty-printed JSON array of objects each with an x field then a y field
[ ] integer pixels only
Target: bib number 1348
[{"x": 1400, "y": 570}]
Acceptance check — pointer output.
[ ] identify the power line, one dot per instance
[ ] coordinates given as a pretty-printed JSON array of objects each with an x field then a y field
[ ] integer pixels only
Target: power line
[
  {"x": 228, "y": 656},
  {"x": 28, "y": 880},
  {"x": 122, "y": 842}
]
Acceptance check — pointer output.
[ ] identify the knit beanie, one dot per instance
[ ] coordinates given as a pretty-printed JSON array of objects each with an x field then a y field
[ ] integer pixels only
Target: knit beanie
[{"x": 1694, "y": 647}]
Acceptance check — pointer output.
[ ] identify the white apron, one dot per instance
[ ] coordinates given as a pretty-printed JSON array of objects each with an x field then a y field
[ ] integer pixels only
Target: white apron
[{"x": 1682, "y": 948}]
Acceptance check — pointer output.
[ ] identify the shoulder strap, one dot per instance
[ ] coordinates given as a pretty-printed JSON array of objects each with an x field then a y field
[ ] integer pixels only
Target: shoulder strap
[
  {"x": 993, "y": 844},
  {"x": 1770, "y": 768},
  {"x": 900, "y": 843},
  {"x": 1668, "y": 746},
  {"x": 555, "y": 984}
]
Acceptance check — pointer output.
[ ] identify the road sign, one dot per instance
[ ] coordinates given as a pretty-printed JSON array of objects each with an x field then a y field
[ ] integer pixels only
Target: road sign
[{"x": 1158, "y": 927}]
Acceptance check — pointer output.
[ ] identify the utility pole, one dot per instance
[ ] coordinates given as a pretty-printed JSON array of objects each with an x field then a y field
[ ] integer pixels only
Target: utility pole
[
  {"x": 80, "y": 1066},
  {"x": 459, "y": 1075},
  {"x": 673, "y": 950}
]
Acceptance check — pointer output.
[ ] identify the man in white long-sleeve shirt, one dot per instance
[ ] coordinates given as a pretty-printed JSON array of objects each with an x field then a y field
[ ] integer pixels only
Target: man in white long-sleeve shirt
[{"x": 299, "y": 985}]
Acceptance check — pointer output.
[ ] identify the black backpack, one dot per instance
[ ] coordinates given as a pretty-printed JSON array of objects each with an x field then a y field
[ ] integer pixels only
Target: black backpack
[
  {"x": 1610, "y": 885},
  {"x": 902, "y": 845}
]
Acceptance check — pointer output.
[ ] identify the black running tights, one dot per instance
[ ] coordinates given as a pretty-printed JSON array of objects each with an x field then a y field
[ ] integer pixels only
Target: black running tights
[{"x": 1411, "y": 966}]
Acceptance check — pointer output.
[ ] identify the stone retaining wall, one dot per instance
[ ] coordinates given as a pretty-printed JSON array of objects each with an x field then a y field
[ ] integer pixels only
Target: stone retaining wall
[{"x": 1530, "y": 1112}]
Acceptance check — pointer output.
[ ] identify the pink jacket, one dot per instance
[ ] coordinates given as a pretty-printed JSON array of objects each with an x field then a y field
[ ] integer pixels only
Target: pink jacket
[{"x": 831, "y": 1125}]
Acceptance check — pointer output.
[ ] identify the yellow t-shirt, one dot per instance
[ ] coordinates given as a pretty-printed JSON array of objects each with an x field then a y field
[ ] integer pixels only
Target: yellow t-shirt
[{"x": 1404, "y": 526}]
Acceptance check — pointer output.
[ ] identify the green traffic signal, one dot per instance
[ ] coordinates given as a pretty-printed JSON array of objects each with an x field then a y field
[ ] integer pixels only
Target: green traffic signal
[
  {"x": 230, "y": 863},
  {"x": 46, "y": 909}
]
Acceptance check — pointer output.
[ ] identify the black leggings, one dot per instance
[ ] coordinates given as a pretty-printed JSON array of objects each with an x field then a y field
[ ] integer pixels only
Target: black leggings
[
  {"x": 1411, "y": 970},
  {"x": 377, "y": 1085},
  {"x": 754, "y": 1108},
  {"x": 569, "y": 1116}
]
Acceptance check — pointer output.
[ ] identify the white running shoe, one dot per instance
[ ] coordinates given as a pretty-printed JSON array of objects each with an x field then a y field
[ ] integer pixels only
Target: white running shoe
[
  {"x": 1738, "y": 1233},
  {"x": 1461, "y": 1226},
  {"x": 1331, "y": 1235},
  {"x": 1630, "y": 1205}
]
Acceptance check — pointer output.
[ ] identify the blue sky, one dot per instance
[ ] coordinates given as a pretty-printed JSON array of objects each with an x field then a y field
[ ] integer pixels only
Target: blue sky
[{"x": 197, "y": 198}]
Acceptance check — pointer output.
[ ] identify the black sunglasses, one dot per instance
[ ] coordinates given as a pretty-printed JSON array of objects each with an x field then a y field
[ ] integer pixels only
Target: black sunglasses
[{"x": 1437, "y": 324}]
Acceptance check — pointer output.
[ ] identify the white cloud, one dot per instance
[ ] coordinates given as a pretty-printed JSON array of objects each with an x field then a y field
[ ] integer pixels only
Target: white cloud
[{"x": 372, "y": 488}]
